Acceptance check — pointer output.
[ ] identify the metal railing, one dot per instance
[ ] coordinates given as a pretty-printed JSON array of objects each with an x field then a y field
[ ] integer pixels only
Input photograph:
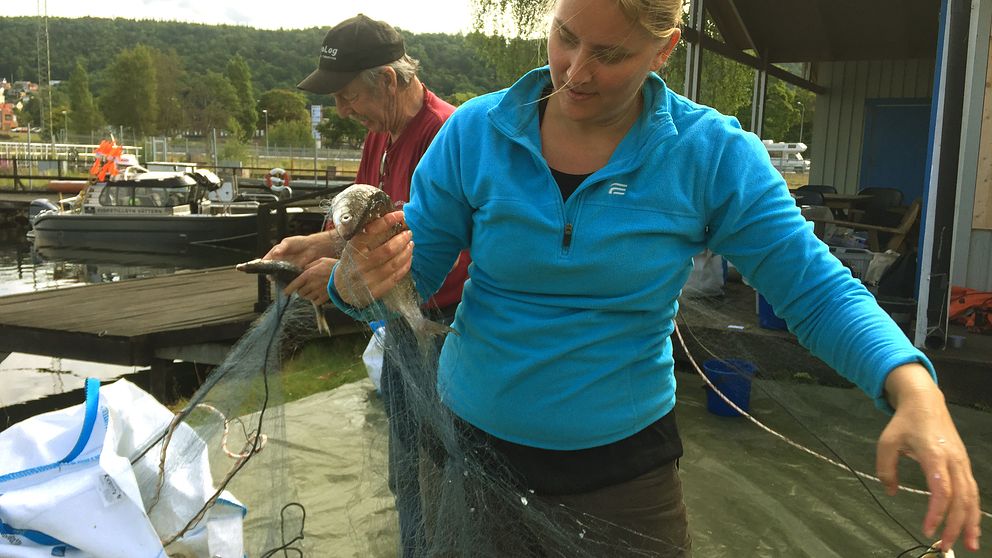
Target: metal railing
[{"x": 65, "y": 151}]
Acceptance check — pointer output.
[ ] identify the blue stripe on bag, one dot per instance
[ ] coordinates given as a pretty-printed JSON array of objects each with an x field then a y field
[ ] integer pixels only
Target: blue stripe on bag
[
  {"x": 36, "y": 537},
  {"x": 92, "y": 406}
]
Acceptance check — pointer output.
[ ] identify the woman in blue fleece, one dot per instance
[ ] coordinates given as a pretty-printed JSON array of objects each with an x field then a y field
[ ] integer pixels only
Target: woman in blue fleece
[{"x": 582, "y": 192}]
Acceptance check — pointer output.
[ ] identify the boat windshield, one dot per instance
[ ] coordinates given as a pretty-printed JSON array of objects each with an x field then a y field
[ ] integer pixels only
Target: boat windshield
[{"x": 158, "y": 193}]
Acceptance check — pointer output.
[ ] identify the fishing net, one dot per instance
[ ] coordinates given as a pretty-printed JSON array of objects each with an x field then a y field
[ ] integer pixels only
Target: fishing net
[
  {"x": 238, "y": 415},
  {"x": 318, "y": 475},
  {"x": 791, "y": 476}
]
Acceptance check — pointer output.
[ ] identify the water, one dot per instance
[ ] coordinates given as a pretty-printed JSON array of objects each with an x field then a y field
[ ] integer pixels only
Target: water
[{"x": 23, "y": 269}]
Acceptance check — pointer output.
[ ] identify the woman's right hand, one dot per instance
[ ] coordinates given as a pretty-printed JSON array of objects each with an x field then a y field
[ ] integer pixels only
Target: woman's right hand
[{"x": 374, "y": 261}]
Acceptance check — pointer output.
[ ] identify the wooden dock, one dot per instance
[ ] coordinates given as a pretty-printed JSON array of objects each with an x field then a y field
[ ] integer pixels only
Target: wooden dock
[
  {"x": 131, "y": 323},
  {"x": 192, "y": 316}
]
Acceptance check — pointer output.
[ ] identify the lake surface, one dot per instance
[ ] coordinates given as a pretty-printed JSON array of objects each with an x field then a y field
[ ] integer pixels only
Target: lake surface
[{"x": 23, "y": 269}]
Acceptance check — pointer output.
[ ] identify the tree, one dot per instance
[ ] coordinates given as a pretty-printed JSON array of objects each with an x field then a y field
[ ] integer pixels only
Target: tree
[
  {"x": 804, "y": 106},
  {"x": 291, "y": 133},
  {"x": 30, "y": 112},
  {"x": 509, "y": 57},
  {"x": 131, "y": 99},
  {"x": 276, "y": 58},
  {"x": 460, "y": 97},
  {"x": 510, "y": 36},
  {"x": 239, "y": 75},
  {"x": 36, "y": 111},
  {"x": 211, "y": 103},
  {"x": 233, "y": 149},
  {"x": 169, "y": 91},
  {"x": 780, "y": 111},
  {"x": 83, "y": 114},
  {"x": 284, "y": 106},
  {"x": 727, "y": 86},
  {"x": 335, "y": 130}
]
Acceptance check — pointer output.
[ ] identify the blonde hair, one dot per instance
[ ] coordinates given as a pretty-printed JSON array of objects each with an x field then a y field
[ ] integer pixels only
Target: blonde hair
[{"x": 659, "y": 17}]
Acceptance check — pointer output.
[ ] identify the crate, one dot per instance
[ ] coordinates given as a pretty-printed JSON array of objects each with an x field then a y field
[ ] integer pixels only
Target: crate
[{"x": 855, "y": 259}]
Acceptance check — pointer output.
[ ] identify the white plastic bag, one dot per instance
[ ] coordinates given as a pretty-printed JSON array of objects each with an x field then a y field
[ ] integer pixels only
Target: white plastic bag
[
  {"x": 880, "y": 262},
  {"x": 707, "y": 277},
  {"x": 372, "y": 357},
  {"x": 68, "y": 488}
]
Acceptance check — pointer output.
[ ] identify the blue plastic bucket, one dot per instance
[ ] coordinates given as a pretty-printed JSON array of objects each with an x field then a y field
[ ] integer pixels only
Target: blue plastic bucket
[
  {"x": 733, "y": 378},
  {"x": 766, "y": 316}
]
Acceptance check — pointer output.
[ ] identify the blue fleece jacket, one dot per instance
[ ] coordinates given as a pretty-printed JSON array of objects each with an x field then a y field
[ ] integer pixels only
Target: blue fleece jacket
[{"x": 564, "y": 325}]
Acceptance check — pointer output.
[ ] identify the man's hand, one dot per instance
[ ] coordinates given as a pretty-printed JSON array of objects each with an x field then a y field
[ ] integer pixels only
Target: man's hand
[{"x": 305, "y": 250}]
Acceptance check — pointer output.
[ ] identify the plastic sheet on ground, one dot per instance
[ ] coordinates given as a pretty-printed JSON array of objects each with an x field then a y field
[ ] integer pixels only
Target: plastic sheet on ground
[{"x": 748, "y": 493}]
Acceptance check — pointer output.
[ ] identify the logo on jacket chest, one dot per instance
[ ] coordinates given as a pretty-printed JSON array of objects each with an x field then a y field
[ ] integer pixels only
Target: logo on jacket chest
[{"x": 617, "y": 189}]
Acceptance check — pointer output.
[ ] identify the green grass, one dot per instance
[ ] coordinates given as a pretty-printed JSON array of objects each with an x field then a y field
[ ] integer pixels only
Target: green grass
[
  {"x": 319, "y": 365},
  {"x": 324, "y": 364}
]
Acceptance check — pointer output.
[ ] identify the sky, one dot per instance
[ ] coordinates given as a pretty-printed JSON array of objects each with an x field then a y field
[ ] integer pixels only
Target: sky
[{"x": 434, "y": 16}]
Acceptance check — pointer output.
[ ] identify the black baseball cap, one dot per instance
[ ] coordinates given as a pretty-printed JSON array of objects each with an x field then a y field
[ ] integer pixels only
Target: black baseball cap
[{"x": 354, "y": 45}]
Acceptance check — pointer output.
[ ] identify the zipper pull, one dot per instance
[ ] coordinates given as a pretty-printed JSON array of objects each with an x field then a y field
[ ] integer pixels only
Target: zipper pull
[{"x": 567, "y": 240}]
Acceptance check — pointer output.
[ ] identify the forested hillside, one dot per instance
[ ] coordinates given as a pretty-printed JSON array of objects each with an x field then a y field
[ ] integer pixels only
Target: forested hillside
[
  {"x": 170, "y": 78},
  {"x": 275, "y": 58}
]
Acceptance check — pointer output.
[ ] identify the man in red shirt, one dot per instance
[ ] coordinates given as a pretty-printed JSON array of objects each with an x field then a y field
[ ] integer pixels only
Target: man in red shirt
[{"x": 364, "y": 65}]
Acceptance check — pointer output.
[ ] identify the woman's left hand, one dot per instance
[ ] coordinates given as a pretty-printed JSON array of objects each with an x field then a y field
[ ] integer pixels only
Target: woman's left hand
[{"x": 922, "y": 429}]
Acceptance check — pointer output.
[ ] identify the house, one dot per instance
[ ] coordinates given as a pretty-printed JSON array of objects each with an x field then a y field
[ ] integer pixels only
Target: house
[
  {"x": 902, "y": 91},
  {"x": 8, "y": 120}
]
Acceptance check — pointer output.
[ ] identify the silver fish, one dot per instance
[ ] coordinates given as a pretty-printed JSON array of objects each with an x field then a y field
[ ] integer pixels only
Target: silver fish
[
  {"x": 351, "y": 210},
  {"x": 283, "y": 273}
]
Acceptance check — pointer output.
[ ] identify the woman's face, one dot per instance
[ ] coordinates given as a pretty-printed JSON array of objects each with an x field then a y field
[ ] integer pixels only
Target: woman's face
[{"x": 599, "y": 60}]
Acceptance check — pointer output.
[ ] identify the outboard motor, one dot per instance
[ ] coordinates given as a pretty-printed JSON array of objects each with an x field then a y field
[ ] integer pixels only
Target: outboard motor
[
  {"x": 207, "y": 179},
  {"x": 39, "y": 206}
]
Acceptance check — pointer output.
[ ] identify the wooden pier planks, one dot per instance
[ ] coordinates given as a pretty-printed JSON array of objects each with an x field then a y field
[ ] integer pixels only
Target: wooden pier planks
[{"x": 124, "y": 322}]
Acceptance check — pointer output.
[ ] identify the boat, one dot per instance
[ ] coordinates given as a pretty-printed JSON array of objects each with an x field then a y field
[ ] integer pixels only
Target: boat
[
  {"x": 150, "y": 212},
  {"x": 195, "y": 256}
]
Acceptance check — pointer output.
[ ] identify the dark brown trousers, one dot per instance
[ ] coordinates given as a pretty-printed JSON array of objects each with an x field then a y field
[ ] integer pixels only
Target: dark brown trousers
[{"x": 645, "y": 516}]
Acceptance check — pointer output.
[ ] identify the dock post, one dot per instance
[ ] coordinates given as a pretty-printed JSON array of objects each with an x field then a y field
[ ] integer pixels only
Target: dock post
[
  {"x": 262, "y": 247},
  {"x": 160, "y": 380},
  {"x": 18, "y": 185}
]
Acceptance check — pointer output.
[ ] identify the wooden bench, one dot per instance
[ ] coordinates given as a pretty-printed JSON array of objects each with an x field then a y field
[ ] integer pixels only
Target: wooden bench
[{"x": 899, "y": 232}]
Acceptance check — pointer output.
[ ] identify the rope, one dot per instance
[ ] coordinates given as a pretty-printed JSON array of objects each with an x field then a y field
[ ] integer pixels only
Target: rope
[{"x": 782, "y": 437}]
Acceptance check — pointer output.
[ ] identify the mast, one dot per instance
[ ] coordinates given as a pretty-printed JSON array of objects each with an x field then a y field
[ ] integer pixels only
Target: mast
[
  {"x": 45, "y": 69},
  {"x": 48, "y": 70}
]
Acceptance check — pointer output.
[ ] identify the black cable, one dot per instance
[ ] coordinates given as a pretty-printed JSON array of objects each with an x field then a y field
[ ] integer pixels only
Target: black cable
[
  {"x": 908, "y": 550},
  {"x": 282, "y": 528}
]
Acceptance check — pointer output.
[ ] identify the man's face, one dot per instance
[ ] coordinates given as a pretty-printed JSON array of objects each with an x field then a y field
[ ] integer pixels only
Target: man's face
[{"x": 363, "y": 102}]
